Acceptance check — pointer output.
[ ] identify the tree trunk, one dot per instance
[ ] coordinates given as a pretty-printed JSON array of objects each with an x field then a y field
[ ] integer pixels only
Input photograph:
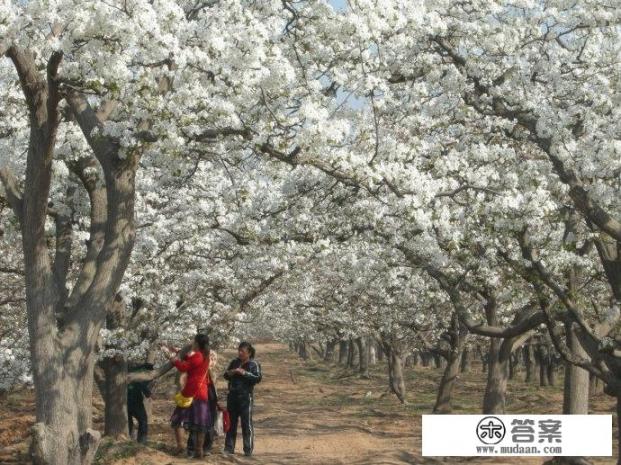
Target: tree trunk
[
  {"x": 343, "y": 351},
  {"x": 551, "y": 371},
  {"x": 576, "y": 389},
  {"x": 330, "y": 347},
  {"x": 575, "y": 392},
  {"x": 449, "y": 377},
  {"x": 115, "y": 396},
  {"x": 497, "y": 378},
  {"x": 372, "y": 353},
  {"x": 363, "y": 357},
  {"x": 453, "y": 367},
  {"x": 303, "y": 352},
  {"x": 351, "y": 353},
  {"x": 380, "y": 353},
  {"x": 113, "y": 388},
  {"x": 542, "y": 361},
  {"x": 396, "y": 381},
  {"x": 527, "y": 353},
  {"x": 63, "y": 329},
  {"x": 465, "y": 361},
  {"x": 512, "y": 366},
  {"x": 595, "y": 385},
  {"x": 62, "y": 434}
]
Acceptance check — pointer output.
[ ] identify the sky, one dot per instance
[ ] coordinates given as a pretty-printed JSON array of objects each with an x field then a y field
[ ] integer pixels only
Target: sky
[{"x": 339, "y": 4}]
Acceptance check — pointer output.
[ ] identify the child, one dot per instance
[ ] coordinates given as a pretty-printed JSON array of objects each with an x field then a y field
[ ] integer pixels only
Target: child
[{"x": 136, "y": 393}]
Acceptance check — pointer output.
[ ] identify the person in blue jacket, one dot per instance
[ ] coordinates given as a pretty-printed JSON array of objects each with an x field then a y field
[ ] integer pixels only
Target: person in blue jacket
[{"x": 242, "y": 374}]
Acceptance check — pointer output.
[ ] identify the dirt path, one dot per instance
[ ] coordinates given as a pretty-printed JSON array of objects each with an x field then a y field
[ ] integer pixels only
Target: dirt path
[
  {"x": 294, "y": 425},
  {"x": 307, "y": 413},
  {"x": 302, "y": 420}
]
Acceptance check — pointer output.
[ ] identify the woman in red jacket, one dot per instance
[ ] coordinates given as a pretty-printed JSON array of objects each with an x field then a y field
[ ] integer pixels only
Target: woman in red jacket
[{"x": 196, "y": 418}]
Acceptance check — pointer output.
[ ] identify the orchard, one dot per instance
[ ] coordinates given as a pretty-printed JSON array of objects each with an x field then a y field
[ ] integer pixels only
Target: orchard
[{"x": 385, "y": 188}]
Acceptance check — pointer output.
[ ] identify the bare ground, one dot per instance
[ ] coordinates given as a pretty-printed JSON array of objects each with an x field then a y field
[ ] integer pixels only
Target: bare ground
[{"x": 312, "y": 413}]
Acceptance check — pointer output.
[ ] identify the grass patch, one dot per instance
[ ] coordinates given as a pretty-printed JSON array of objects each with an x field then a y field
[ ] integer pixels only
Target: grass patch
[{"x": 110, "y": 451}]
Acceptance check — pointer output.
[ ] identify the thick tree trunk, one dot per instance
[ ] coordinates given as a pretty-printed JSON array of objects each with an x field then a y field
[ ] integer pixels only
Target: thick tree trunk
[
  {"x": 363, "y": 357},
  {"x": 115, "y": 396},
  {"x": 64, "y": 329},
  {"x": 445, "y": 390},
  {"x": 62, "y": 434},
  {"x": 575, "y": 393},
  {"x": 113, "y": 387},
  {"x": 497, "y": 378},
  {"x": 453, "y": 367}
]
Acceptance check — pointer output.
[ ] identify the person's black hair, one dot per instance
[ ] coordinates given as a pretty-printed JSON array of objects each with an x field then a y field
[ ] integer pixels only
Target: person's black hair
[
  {"x": 248, "y": 346},
  {"x": 202, "y": 341}
]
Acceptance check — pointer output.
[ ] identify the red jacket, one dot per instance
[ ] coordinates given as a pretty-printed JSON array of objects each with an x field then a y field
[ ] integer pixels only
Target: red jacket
[{"x": 196, "y": 365}]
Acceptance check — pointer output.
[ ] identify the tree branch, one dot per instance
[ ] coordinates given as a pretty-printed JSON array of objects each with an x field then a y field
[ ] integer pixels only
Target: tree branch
[{"x": 13, "y": 193}]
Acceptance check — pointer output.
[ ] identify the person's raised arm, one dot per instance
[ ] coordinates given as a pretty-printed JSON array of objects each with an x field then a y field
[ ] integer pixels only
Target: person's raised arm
[{"x": 192, "y": 361}]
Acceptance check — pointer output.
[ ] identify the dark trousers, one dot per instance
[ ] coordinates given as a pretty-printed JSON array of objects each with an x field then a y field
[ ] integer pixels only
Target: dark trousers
[
  {"x": 138, "y": 412},
  {"x": 240, "y": 407}
]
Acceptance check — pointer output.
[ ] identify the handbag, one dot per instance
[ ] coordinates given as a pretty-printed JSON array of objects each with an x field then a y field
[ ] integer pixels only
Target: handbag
[
  {"x": 226, "y": 421},
  {"x": 182, "y": 401},
  {"x": 226, "y": 418}
]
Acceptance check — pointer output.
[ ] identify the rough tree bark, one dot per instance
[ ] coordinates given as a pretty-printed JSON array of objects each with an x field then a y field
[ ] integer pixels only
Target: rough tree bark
[
  {"x": 113, "y": 386},
  {"x": 63, "y": 328},
  {"x": 456, "y": 339}
]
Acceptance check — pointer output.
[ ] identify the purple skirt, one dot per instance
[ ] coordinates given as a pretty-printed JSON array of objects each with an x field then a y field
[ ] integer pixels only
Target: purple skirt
[{"x": 196, "y": 417}]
